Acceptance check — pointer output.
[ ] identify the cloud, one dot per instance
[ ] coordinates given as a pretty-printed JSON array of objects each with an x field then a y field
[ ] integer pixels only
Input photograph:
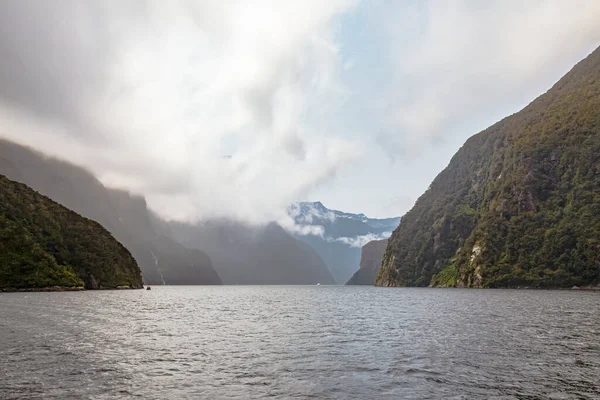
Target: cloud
[
  {"x": 453, "y": 62},
  {"x": 299, "y": 229},
  {"x": 360, "y": 241},
  {"x": 238, "y": 108},
  {"x": 303, "y": 219},
  {"x": 209, "y": 109}
]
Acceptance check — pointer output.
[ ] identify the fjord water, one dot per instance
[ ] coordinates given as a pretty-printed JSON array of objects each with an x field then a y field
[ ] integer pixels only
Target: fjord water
[{"x": 300, "y": 342}]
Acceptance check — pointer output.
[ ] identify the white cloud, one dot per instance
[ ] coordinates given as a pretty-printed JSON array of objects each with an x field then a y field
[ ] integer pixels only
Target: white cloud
[
  {"x": 360, "y": 241},
  {"x": 303, "y": 218},
  {"x": 453, "y": 61},
  {"x": 236, "y": 109},
  {"x": 299, "y": 229},
  {"x": 152, "y": 95}
]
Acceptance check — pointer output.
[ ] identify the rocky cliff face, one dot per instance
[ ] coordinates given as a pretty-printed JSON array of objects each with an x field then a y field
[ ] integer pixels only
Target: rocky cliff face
[
  {"x": 370, "y": 263},
  {"x": 161, "y": 259},
  {"x": 43, "y": 244},
  {"x": 519, "y": 203}
]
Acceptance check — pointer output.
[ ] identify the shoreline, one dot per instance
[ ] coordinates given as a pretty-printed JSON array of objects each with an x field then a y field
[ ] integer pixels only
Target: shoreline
[
  {"x": 63, "y": 289},
  {"x": 577, "y": 288}
]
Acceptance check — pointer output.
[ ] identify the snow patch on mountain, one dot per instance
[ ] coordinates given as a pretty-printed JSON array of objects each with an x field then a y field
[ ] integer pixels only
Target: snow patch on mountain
[{"x": 313, "y": 218}]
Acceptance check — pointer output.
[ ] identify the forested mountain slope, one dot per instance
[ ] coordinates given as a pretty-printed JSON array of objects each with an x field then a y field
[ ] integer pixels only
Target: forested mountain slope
[
  {"x": 519, "y": 203},
  {"x": 126, "y": 216},
  {"x": 43, "y": 244}
]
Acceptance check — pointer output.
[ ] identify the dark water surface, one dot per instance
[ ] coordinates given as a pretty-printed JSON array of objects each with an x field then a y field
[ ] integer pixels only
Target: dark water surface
[{"x": 300, "y": 342}]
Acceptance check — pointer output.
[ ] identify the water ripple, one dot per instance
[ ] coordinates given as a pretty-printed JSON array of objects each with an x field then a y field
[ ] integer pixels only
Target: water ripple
[{"x": 300, "y": 342}]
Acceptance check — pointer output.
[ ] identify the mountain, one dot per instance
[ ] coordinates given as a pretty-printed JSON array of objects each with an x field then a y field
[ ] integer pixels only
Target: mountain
[
  {"x": 244, "y": 254},
  {"x": 43, "y": 244},
  {"x": 338, "y": 236},
  {"x": 370, "y": 262},
  {"x": 260, "y": 256},
  {"x": 161, "y": 259},
  {"x": 519, "y": 203}
]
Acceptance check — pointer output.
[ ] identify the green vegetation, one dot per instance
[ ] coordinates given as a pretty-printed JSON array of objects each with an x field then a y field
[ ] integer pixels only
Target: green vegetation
[
  {"x": 519, "y": 203},
  {"x": 446, "y": 277},
  {"x": 44, "y": 244}
]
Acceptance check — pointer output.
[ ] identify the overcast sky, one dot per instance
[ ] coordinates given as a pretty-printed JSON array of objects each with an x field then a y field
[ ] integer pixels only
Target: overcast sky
[{"x": 236, "y": 109}]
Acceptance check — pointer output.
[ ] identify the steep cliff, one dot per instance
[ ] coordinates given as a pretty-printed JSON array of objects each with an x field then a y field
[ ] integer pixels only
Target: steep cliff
[
  {"x": 370, "y": 262},
  {"x": 43, "y": 244},
  {"x": 519, "y": 203},
  {"x": 161, "y": 259}
]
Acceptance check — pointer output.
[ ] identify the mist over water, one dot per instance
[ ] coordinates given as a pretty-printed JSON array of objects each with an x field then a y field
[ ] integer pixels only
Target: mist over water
[{"x": 300, "y": 342}]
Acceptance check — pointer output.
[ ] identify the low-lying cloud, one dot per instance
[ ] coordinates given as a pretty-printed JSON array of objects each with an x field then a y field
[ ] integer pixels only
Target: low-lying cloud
[{"x": 360, "y": 241}]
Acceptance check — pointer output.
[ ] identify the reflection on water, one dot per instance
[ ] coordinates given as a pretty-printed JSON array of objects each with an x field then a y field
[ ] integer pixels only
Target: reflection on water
[{"x": 300, "y": 342}]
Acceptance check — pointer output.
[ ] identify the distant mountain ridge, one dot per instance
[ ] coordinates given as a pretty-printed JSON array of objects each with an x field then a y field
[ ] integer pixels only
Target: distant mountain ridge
[
  {"x": 338, "y": 236},
  {"x": 248, "y": 255},
  {"x": 519, "y": 203},
  {"x": 245, "y": 255},
  {"x": 317, "y": 214}
]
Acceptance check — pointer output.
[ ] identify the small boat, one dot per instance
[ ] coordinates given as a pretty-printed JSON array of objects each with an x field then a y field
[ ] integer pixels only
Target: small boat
[
  {"x": 148, "y": 288},
  {"x": 318, "y": 284}
]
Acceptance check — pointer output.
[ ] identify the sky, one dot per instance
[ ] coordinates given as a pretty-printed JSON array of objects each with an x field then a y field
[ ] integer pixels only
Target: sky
[{"x": 237, "y": 109}]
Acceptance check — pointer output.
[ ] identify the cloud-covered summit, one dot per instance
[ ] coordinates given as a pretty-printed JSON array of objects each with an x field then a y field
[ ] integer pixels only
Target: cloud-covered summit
[{"x": 354, "y": 230}]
